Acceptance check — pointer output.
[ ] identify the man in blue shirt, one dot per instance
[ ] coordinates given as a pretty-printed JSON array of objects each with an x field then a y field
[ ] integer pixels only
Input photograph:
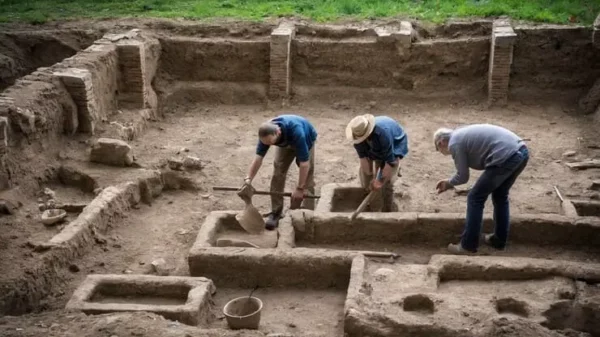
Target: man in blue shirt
[
  {"x": 380, "y": 143},
  {"x": 502, "y": 155},
  {"x": 294, "y": 137}
]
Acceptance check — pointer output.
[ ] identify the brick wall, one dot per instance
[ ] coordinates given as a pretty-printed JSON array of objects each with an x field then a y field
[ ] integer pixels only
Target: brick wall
[{"x": 503, "y": 38}]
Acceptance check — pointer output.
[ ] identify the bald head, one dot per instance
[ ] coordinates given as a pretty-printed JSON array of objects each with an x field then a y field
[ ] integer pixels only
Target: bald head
[{"x": 269, "y": 133}]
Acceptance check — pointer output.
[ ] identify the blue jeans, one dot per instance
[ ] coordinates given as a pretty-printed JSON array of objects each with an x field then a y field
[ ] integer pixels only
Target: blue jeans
[{"x": 497, "y": 181}]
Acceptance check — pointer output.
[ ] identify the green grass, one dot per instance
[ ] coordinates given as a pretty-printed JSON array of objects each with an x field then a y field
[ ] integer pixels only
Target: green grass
[{"x": 551, "y": 11}]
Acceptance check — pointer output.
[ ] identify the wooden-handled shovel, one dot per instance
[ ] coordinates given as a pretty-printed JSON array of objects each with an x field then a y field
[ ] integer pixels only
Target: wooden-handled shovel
[
  {"x": 367, "y": 199},
  {"x": 283, "y": 194}
]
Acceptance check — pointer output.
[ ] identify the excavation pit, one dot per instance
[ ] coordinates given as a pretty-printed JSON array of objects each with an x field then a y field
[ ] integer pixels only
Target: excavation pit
[
  {"x": 289, "y": 310},
  {"x": 456, "y": 292},
  {"x": 139, "y": 89},
  {"x": 221, "y": 229},
  {"x": 185, "y": 299},
  {"x": 417, "y": 236},
  {"x": 587, "y": 208}
]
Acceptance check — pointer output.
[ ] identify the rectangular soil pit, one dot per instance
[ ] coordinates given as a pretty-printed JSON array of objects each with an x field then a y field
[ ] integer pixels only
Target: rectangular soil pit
[
  {"x": 185, "y": 299},
  {"x": 586, "y": 208},
  {"x": 457, "y": 291},
  {"x": 435, "y": 229},
  {"x": 221, "y": 229},
  {"x": 243, "y": 267},
  {"x": 290, "y": 311}
]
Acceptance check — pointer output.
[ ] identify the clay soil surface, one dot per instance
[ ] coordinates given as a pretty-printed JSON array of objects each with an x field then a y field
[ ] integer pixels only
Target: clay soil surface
[
  {"x": 291, "y": 311},
  {"x": 226, "y": 137}
]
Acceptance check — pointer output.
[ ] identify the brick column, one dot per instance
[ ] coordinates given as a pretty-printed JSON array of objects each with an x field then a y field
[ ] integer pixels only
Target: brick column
[
  {"x": 280, "y": 82},
  {"x": 131, "y": 66},
  {"x": 503, "y": 39},
  {"x": 79, "y": 85}
]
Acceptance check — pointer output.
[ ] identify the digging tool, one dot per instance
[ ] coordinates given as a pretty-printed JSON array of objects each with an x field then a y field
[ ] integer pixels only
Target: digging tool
[
  {"x": 250, "y": 218},
  {"x": 282, "y": 194},
  {"x": 366, "y": 200}
]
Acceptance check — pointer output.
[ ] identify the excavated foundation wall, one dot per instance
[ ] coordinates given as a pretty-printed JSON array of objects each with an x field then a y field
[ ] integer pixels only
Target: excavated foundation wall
[
  {"x": 554, "y": 58},
  {"x": 216, "y": 70},
  {"x": 450, "y": 60},
  {"x": 426, "y": 67},
  {"x": 23, "y": 52}
]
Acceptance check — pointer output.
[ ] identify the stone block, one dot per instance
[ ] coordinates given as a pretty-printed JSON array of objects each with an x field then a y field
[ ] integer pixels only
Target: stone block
[
  {"x": 112, "y": 152},
  {"x": 184, "y": 299}
]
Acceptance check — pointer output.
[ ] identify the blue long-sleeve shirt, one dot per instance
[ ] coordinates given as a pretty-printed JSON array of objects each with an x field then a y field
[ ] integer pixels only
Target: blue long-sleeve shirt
[
  {"x": 480, "y": 146},
  {"x": 297, "y": 132},
  {"x": 387, "y": 142}
]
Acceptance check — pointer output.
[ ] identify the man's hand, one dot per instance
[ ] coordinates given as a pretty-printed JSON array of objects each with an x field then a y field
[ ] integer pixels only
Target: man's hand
[
  {"x": 297, "y": 197},
  {"x": 246, "y": 191},
  {"x": 443, "y": 186},
  {"x": 376, "y": 185}
]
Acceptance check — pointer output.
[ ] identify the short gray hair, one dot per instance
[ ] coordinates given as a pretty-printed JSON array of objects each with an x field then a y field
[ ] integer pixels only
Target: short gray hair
[
  {"x": 267, "y": 129},
  {"x": 440, "y": 135}
]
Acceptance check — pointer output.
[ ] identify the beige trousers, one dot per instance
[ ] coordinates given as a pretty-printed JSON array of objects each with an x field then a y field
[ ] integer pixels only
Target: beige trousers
[
  {"x": 384, "y": 200},
  {"x": 284, "y": 157}
]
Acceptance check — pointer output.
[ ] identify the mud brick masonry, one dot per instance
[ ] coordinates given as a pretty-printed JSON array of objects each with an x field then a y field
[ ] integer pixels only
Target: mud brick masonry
[
  {"x": 503, "y": 40},
  {"x": 280, "y": 65}
]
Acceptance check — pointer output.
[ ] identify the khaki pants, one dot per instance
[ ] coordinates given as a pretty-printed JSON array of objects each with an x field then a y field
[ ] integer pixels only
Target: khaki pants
[
  {"x": 284, "y": 157},
  {"x": 384, "y": 200}
]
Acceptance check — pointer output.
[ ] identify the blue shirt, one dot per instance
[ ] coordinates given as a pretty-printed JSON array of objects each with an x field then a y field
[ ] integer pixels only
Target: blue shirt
[
  {"x": 387, "y": 142},
  {"x": 296, "y": 132},
  {"x": 480, "y": 146}
]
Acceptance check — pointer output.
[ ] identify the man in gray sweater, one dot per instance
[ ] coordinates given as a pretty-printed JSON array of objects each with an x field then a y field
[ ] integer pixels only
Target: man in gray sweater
[{"x": 502, "y": 155}]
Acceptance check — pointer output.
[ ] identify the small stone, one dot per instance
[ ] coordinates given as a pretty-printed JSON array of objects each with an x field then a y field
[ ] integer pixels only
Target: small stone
[
  {"x": 42, "y": 207},
  {"x": 160, "y": 267},
  {"x": 595, "y": 185},
  {"x": 175, "y": 164},
  {"x": 291, "y": 325},
  {"x": 142, "y": 263},
  {"x": 116, "y": 245},
  {"x": 205, "y": 196},
  {"x": 49, "y": 193},
  {"x": 184, "y": 149},
  {"x": 372, "y": 104},
  {"x": 127, "y": 271},
  {"x": 101, "y": 264},
  {"x": 569, "y": 153},
  {"x": 113, "y": 152},
  {"x": 74, "y": 268},
  {"x": 192, "y": 163},
  {"x": 51, "y": 204}
]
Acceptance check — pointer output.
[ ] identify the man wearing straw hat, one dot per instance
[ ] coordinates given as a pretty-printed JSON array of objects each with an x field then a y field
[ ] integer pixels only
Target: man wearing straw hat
[
  {"x": 380, "y": 143},
  {"x": 295, "y": 138}
]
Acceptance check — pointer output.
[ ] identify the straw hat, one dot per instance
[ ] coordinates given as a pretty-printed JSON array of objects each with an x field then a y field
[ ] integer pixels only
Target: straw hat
[{"x": 360, "y": 128}]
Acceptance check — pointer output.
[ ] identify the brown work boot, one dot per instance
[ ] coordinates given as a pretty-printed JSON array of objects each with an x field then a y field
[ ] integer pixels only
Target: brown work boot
[{"x": 272, "y": 221}]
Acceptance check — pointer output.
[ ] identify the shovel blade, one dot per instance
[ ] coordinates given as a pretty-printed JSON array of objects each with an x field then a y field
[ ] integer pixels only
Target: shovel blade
[{"x": 251, "y": 220}]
